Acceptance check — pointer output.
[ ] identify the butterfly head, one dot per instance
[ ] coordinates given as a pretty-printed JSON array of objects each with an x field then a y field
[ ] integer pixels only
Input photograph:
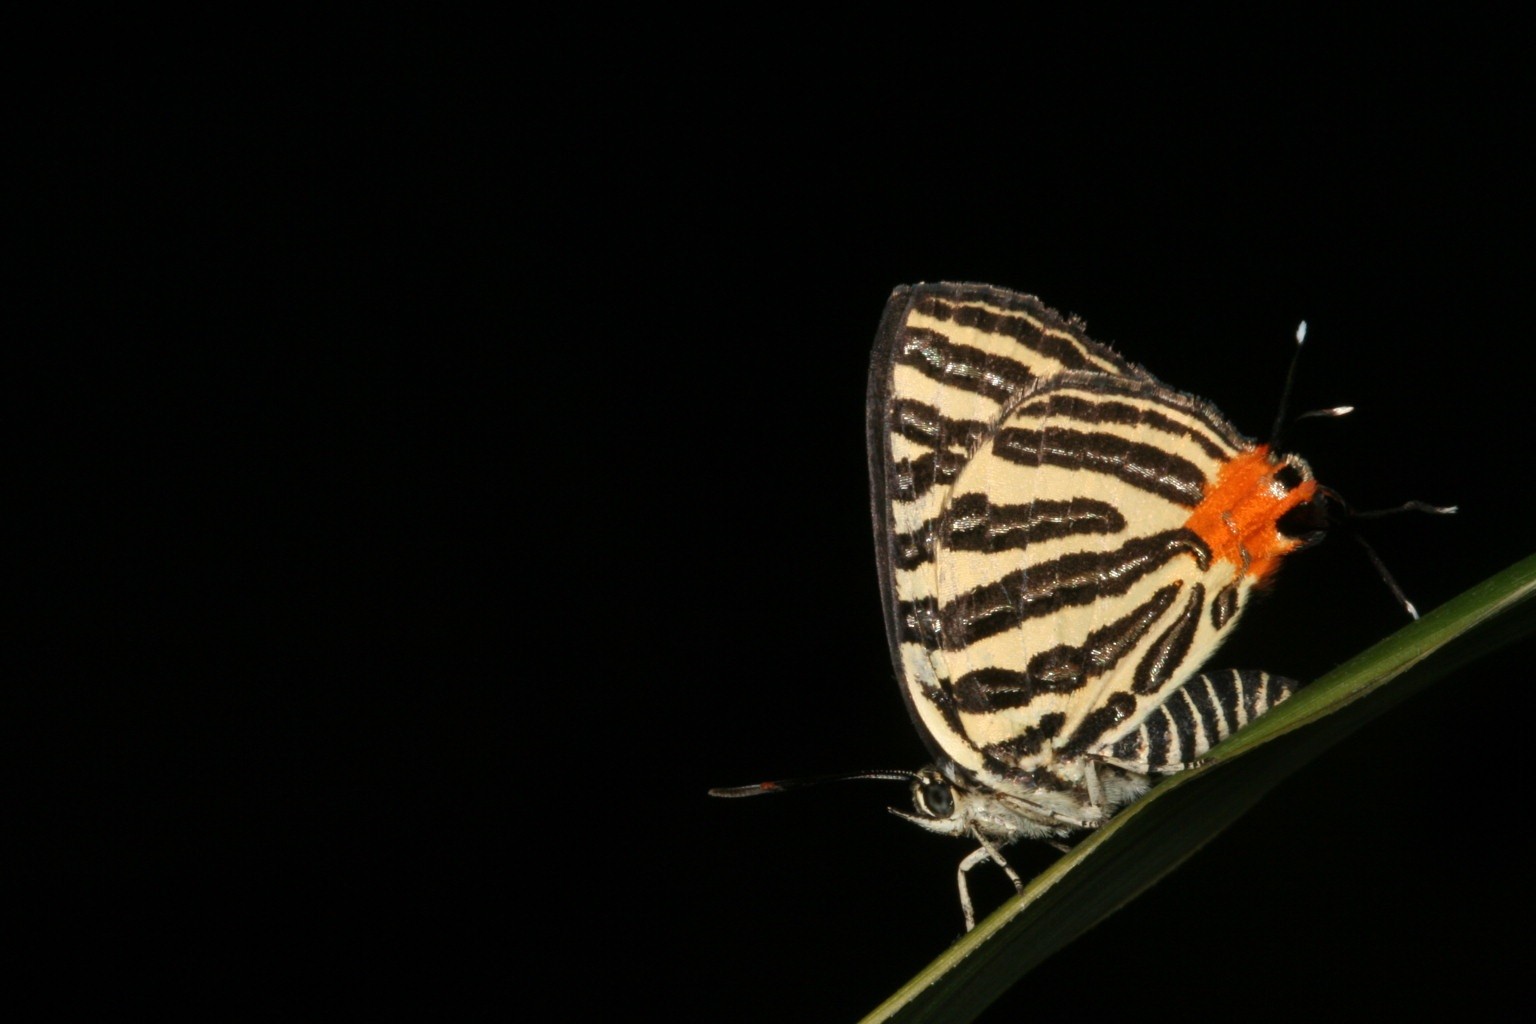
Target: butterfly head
[
  {"x": 1306, "y": 514},
  {"x": 941, "y": 804}
]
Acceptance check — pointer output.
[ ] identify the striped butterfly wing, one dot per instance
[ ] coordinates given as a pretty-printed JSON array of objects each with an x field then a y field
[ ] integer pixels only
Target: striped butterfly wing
[
  {"x": 1073, "y": 595},
  {"x": 947, "y": 359},
  {"x": 1056, "y": 548}
]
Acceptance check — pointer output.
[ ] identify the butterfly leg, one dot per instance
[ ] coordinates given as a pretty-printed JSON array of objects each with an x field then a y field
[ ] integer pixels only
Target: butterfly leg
[
  {"x": 986, "y": 851},
  {"x": 1095, "y": 788}
]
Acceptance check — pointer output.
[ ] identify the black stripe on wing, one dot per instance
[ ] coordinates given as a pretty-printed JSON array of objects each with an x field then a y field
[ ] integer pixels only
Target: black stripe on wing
[
  {"x": 922, "y": 424},
  {"x": 1065, "y": 668},
  {"x": 1143, "y": 466},
  {"x": 973, "y": 523},
  {"x": 958, "y": 304},
  {"x": 913, "y": 478},
  {"x": 1073, "y": 579},
  {"x": 1158, "y": 663},
  {"x": 1060, "y": 404},
  {"x": 962, "y": 366}
]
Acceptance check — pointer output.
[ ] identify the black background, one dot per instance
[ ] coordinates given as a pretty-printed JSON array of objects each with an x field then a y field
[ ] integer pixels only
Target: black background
[{"x": 450, "y": 453}]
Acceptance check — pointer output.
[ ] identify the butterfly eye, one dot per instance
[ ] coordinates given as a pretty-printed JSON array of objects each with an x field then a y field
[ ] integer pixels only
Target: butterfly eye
[{"x": 934, "y": 798}]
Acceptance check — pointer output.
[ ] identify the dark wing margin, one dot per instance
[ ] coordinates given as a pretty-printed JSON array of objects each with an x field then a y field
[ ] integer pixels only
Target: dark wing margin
[{"x": 878, "y": 438}]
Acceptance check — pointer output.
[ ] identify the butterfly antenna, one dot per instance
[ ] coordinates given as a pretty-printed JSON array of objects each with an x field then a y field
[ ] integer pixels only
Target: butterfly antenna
[
  {"x": 1407, "y": 506},
  {"x": 758, "y": 789},
  {"x": 1381, "y": 570},
  {"x": 1290, "y": 380},
  {"x": 1285, "y": 395},
  {"x": 1351, "y": 514}
]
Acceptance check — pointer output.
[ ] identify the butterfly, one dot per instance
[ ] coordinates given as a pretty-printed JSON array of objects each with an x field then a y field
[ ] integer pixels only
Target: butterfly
[{"x": 1062, "y": 541}]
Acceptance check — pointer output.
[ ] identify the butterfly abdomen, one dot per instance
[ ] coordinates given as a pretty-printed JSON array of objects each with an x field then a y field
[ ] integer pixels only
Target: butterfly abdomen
[{"x": 1197, "y": 716}]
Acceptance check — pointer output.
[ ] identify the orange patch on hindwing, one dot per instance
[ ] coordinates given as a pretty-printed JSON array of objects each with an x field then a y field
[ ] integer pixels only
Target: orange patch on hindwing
[{"x": 1240, "y": 510}]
